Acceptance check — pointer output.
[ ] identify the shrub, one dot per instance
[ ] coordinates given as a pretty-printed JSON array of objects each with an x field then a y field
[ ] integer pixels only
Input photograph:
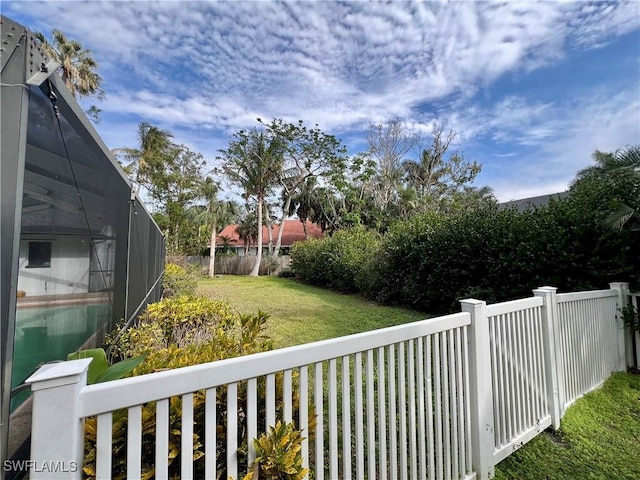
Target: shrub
[
  {"x": 180, "y": 279},
  {"x": 308, "y": 261},
  {"x": 279, "y": 454},
  {"x": 178, "y": 332},
  {"x": 337, "y": 262},
  {"x": 432, "y": 262},
  {"x": 174, "y": 322}
]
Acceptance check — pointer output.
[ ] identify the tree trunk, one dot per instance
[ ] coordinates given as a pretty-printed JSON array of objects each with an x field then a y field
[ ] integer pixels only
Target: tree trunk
[
  {"x": 256, "y": 268},
  {"x": 267, "y": 222},
  {"x": 285, "y": 209},
  {"x": 212, "y": 251},
  {"x": 304, "y": 228}
]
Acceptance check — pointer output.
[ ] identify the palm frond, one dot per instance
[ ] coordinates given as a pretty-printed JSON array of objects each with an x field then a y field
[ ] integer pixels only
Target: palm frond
[{"x": 619, "y": 217}]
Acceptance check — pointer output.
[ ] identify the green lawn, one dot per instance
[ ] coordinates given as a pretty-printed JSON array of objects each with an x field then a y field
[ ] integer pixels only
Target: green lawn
[
  {"x": 599, "y": 439},
  {"x": 302, "y": 313}
]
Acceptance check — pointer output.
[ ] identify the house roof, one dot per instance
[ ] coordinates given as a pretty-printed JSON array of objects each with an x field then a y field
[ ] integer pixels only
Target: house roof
[
  {"x": 293, "y": 232},
  {"x": 533, "y": 202}
]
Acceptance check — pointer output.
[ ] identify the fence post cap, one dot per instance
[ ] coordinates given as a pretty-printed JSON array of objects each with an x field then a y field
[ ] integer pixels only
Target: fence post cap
[
  {"x": 58, "y": 374},
  {"x": 472, "y": 301}
]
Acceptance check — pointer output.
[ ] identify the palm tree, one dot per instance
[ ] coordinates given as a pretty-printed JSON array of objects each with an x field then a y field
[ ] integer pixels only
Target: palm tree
[
  {"x": 625, "y": 161},
  {"x": 247, "y": 231},
  {"x": 152, "y": 143},
  {"x": 77, "y": 67},
  {"x": 253, "y": 161},
  {"x": 226, "y": 243},
  {"x": 216, "y": 213},
  {"x": 305, "y": 203}
]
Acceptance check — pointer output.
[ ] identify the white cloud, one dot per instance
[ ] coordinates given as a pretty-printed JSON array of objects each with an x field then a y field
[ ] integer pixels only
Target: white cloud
[
  {"x": 212, "y": 67},
  {"x": 564, "y": 143},
  {"x": 283, "y": 59}
]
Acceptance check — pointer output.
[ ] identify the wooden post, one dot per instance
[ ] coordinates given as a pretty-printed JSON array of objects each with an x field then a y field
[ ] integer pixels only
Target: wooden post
[
  {"x": 553, "y": 359},
  {"x": 623, "y": 334},
  {"x": 482, "y": 420},
  {"x": 57, "y": 431}
]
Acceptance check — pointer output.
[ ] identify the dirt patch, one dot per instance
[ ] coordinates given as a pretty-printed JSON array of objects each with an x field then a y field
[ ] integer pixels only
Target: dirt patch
[{"x": 557, "y": 439}]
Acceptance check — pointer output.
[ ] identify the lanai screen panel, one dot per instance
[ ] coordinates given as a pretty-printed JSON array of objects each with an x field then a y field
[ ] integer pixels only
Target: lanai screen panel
[{"x": 74, "y": 238}]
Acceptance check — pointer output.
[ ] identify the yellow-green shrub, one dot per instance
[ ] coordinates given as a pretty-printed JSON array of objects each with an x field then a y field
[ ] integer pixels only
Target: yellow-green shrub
[
  {"x": 278, "y": 454},
  {"x": 179, "y": 280},
  {"x": 176, "y": 321},
  {"x": 174, "y": 333}
]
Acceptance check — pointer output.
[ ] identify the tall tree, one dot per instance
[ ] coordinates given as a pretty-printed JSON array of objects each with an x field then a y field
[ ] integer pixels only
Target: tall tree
[
  {"x": 307, "y": 152},
  {"x": 153, "y": 145},
  {"x": 253, "y": 161},
  {"x": 439, "y": 172},
  {"x": 305, "y": 203},
  {"x": 624, "y": 163},
  {"x": 389, "y": 144},
  {"x": 174, "y": 185},
  {"x": 247, "y": 231},
  {"x": 77, "y": 67},
  {"x": 215, "y": 213}
]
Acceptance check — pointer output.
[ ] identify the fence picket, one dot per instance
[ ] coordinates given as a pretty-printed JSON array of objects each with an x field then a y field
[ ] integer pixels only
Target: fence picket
[
  {"x": 103, "y": 447},
  {"x": 252, "y": 418},
  {"x": 382, "y": 416},
  {"x": 346, "y": 418},
  {"x": 439, "y": 447},
  {"x": 162, "y": 438},
  {"x": 333, "y": 419},
  {"x": 210, "y": 434},
  {"x": 303, "y": 422},
  {"x": 134, "y": 442},
  {"x": 186, "y": 438},
  {"x": 393, "y": 430},
  {"x": 287, "y": 393},
  {"x": 359, "y": 418},
  {"x": 413, "y": 452},
  {"x": 402, "y": 406},
  {"x": 454, "y": 405},
  {"x": 422, "y": 430},
  {"x": 232, "y": 430},
  {"x": 371, "y": 420},
  {"x": 318, "y": 393}
]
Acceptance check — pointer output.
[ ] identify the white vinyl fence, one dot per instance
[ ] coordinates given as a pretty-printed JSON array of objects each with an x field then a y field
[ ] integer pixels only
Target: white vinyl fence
[
  {"x": 633, "y": 339},
  {"x": 442, "y": 398}
]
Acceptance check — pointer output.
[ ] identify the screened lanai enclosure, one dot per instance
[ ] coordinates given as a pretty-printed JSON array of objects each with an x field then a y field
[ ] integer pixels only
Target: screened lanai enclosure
[{"x": 78, "y": 251}]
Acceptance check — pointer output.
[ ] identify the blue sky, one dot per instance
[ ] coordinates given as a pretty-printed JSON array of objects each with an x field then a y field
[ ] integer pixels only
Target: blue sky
[{"x": 531, "y": 88}]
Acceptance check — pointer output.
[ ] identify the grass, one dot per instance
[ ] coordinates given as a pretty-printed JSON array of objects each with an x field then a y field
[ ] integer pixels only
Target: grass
[
  {"x": 302, "y": 313},
  {"x": 599, "y": 438}
]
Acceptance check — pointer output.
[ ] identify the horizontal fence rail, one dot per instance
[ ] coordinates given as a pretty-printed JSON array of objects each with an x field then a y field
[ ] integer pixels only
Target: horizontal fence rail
[{"x": 443, "y": 398}]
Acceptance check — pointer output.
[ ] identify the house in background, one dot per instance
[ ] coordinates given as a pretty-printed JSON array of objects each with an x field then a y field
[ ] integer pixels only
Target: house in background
[
  {"x": 533, "y": 202},
  {"x": 293, "y": 232}
]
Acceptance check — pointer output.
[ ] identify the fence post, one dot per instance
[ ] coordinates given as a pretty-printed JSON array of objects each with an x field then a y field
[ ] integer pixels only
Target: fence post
[
  {"x": 57, "y": 431},
  {"x": 623, "y": 334},
  {"x": 482, "y": 439},
  {"x": 553, "y": 359}
]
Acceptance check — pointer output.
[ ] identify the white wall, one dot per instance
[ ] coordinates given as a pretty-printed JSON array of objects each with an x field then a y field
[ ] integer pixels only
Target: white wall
[{"x": 68, "y": 273}]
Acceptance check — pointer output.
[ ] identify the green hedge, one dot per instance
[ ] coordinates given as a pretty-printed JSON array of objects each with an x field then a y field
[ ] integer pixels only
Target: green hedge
[
  {"x": 338, "y": 262},
  {"x": 433, "y": 261},
  {"x": 494, "y": 255}
]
